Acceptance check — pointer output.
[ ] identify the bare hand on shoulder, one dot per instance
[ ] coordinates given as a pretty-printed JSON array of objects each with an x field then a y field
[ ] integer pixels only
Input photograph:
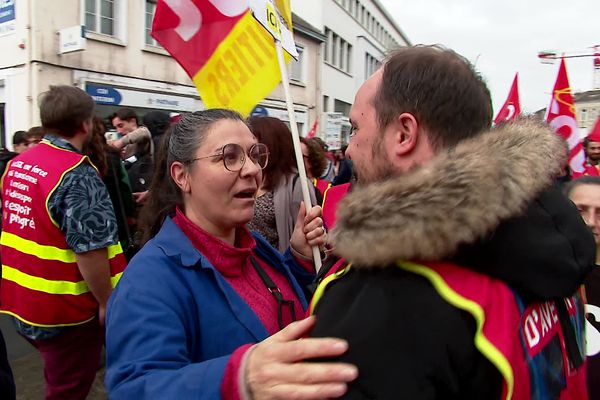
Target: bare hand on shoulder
[{"x": 277, "y": 368}]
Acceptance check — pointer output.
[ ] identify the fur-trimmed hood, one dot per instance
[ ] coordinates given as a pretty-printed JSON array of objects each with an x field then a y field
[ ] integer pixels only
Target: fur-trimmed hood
[{"x": 457, "y": 199}]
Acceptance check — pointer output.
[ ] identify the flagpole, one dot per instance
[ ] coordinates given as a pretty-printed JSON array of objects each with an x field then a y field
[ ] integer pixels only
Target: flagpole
[{"x": 296, "y": 139}]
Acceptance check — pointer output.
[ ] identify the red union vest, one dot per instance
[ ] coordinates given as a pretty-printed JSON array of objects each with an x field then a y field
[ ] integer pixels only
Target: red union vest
[
  {"x": 41, "y": 283},
  {"x": 526, "y": 344},
  {"x": 589, "y": 170},
  {"x": 321, "y": 184},
  {"x": 331, "y": 198}
]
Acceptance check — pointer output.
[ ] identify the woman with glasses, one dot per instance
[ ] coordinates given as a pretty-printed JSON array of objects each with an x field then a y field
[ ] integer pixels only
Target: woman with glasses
[{"x": 202, "y": 309}]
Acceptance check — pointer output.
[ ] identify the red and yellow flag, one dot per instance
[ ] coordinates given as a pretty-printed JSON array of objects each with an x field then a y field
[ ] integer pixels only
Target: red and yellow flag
[{"x": 229, "y": 56}]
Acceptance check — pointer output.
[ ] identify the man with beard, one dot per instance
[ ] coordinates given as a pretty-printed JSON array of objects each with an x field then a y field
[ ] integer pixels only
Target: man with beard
[
  {"x": 466, "y": 261},
  {"x": 59, "y": 246},
  {"x": 591, "y": 145}
]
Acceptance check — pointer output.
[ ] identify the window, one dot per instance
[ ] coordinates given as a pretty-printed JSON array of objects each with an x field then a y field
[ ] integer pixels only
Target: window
[
  {"x": 105, "y": 19},
  {"x": 149, "y": 16},
  {"x": 349, "y": 58},
  {"x": 335, "y": 45},
  {"x": 342, "y": 107},
  {"x": 296, "y": 67},
  {"x": 371, "y": 65},
  {"x": 100, "y": 16},
  {"x": 338, "y": 52},
  {"x": 325, "y": 103}
]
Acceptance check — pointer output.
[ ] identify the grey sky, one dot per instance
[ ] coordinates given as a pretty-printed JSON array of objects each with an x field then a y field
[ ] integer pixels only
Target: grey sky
[{"x": 504, "y": 37}]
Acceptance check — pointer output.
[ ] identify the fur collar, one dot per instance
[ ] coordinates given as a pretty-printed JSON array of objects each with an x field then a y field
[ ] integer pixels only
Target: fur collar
[{"x": 455, "y": 199}]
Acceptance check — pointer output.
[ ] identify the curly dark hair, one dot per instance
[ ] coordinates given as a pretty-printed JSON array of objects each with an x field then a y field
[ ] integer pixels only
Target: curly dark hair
[{"x": 316, "y": 157}]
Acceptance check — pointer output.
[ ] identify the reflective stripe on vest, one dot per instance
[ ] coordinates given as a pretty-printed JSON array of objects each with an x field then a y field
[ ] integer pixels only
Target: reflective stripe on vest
[
  {"x": 482, "y": 343},
  {"x": 47, "y": 252},
  {"x": 49, "y": 286}
]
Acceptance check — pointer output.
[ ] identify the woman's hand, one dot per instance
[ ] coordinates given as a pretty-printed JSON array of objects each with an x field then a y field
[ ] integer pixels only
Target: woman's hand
[
  {"x": 308, "y": 231},
  {"x": 276, "y": 367}
]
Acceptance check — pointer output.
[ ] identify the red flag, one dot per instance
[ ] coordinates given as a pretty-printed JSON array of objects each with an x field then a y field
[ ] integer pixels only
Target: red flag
[
  {"x": 561, "y": 117},
  {"x": 594, "y": 135},
  {"x": 512, "y": 105},
  {"x": 313, "y": 130}
]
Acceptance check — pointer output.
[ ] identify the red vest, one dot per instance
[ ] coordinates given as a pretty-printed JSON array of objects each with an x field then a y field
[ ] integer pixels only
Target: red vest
[
  {"x": 321, "y": 184},
  {"x": 589, "y": 169},
  {"x": 41, "y": 283},
  {"x": 525, "y": 344},
  {"x": 331, "y": 198}
]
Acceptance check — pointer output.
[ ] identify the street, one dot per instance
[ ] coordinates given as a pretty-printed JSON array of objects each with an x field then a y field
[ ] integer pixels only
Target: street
[{"x": 27, "y": 366}]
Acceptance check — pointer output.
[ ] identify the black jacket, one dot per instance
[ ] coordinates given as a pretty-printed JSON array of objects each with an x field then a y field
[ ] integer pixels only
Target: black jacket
[{"x": 488, "y": 205}]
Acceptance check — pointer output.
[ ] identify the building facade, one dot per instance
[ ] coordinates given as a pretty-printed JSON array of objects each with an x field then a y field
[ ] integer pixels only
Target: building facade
[
  {"x": 119, "y": 64},
  {"x": 587, "y": 110},
  {"x": 358, "y": 33}
]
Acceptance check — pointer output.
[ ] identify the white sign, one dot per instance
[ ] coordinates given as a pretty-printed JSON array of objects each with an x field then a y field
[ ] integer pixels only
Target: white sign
[
  {"x": 267, "y": 14},
  {"x": 8, "y": 17},
  {"x": 71, "y": 39},
  {"x": 108, "y": 95},
  {"x": 283, "y": 115},
  {"x": 333, "y": 130}
]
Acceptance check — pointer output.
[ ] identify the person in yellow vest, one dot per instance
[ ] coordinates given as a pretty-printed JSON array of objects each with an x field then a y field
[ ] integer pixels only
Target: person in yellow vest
[
  {"x": 59, "y": 246},
  {"x": 466, "y": 260}
]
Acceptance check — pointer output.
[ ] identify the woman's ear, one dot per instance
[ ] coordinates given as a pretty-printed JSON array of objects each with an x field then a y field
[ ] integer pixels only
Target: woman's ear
[{"x": 181, "y": 177}]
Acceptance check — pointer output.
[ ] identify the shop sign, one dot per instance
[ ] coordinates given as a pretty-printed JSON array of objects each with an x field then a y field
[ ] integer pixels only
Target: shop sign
[{"x": 7, "y": 17}]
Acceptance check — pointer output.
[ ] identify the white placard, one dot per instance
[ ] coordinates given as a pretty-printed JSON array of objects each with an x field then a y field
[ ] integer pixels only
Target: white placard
[{"x": 71, "y": 39}]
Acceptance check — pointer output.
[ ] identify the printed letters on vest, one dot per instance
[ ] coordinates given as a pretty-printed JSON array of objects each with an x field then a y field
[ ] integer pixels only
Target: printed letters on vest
[{"x": 41, "y": 283}]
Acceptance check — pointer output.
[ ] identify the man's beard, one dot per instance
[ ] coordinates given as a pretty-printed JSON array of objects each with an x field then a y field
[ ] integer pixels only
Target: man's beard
[{"x": 381, "y": 166}]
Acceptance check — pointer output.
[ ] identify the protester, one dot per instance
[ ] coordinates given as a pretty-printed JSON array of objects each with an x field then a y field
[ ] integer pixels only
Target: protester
[
  {"x": 585, "y": 193},
  {"x": 315, "y": 163},
  {"x": 187, "y": 313},
  {"x": 343, "y": 167},
  {"x": 59, "y": 246},
  {"x": 329, "y": 172},
  {"x": 157, "y": 123},
  {"x": 280, "y": 193},
  {"x": 34, "y": 136},
  {"x": 591, "y": 146},
  {"x": 108, "y": 162},
  {"x": 19, "y": 142},
  {"x": 466, "y": 260},
  {"x": 126, "y": 122}
]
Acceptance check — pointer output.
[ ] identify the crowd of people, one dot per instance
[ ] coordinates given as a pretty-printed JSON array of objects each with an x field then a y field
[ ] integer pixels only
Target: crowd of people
[{"x": 457, "y": 264}]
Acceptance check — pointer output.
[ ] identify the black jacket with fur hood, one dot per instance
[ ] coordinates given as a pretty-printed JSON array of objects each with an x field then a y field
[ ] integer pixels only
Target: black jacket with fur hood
[{"x": 490, "y": 205}]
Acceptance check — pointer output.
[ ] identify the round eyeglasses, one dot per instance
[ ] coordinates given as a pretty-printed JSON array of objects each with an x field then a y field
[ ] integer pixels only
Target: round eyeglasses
[{"x": 234, "y": 156}]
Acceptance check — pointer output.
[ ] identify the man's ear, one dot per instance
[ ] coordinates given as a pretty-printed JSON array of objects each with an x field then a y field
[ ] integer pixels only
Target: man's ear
[
  {"x": 406, "y": 130},
  {"x": 87, "y": 126},
  {"x": 181, "y": 177}
]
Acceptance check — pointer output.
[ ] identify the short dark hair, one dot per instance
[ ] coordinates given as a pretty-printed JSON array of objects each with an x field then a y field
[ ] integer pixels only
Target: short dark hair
[
  {"x": 35, "y": 132},
  {"x": 125, "y": 114},
  {"x": 440, "y": 88},
  {"x": 584, "y": 180},
  {"x": 19, "y": 137},
  {"x": 63, "y": 109}
]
